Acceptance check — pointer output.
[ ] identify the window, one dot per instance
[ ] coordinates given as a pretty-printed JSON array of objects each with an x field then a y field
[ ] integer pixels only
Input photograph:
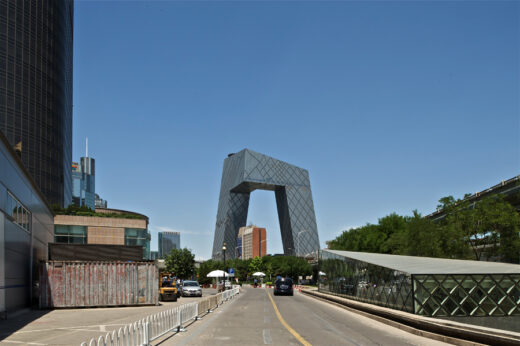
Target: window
[
  {"x": 20, "y": 215},
  {"x": 68, "y": 234},
  {"x": 140, "y": 237}
]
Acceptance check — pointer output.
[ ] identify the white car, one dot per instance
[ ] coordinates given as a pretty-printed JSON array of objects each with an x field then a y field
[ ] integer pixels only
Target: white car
[{"x": 191, "y": 289}]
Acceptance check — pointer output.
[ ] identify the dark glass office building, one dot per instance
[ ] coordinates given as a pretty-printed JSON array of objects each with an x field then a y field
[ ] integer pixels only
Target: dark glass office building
[
  {"x": 36, "y": 90},
  {"x": 167, "y": 242}
]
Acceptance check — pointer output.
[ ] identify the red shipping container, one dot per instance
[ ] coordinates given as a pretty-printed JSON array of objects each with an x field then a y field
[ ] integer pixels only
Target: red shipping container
[{"x": 71, "y": 284}]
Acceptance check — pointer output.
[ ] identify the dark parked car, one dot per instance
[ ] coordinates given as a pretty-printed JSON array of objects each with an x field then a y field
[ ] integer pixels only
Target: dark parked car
[{"x": 283, "y": 286}]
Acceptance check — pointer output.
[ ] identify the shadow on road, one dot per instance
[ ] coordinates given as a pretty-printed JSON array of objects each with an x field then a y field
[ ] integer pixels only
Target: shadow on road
[{"x": 18, "y": 320}]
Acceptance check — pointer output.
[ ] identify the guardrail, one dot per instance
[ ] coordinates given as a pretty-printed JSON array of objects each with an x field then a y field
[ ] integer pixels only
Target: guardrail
[{"x": 154, "y": 326}]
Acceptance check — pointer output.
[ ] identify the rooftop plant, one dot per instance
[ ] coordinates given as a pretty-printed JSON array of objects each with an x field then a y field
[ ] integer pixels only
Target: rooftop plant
[{"x": 86, "y": 211}]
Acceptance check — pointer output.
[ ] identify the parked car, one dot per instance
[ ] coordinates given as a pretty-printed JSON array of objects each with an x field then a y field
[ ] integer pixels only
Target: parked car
[
  {"x": 191, "y": 289},
  {"x": 283, "y": 286}
]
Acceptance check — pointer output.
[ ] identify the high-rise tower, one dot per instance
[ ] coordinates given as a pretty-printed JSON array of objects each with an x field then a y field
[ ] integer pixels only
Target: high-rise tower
[
  {"x": 247, "y": 171},
  {"x": 36, "y": 90},
  {"x": 167, "y": 242},
  {"x": 84, "y": 181}
]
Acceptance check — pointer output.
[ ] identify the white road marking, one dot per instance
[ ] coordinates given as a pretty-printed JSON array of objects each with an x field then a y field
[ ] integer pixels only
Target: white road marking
[
  {"x": 22, "y": 342},
  {"x": 97, "y": 326},
  {"x": 267, "y": 337},
  {"x": 266, "y": 319}
]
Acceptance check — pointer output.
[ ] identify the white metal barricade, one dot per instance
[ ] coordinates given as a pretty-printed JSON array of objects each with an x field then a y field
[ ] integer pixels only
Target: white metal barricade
[{"x": 154, "y": 326}]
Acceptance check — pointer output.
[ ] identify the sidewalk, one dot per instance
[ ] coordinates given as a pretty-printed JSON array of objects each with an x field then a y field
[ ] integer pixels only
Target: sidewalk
[{"x": 72, "y": 326}]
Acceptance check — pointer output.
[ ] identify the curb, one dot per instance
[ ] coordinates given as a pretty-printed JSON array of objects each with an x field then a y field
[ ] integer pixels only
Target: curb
[{"x": 446, "y": 331}]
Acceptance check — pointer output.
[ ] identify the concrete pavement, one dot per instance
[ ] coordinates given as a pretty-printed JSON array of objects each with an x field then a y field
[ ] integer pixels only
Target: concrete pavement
[
  {"x": 73, "y": 326},
  {"x": 252, "y": 320}
]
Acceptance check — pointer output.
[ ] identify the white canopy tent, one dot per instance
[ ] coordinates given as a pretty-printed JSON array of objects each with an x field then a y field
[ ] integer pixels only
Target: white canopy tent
[{"x": 218, "y": 274}]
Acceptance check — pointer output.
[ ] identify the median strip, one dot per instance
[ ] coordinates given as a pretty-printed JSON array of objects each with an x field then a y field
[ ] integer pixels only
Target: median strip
[{"x": 285, "y": 324}]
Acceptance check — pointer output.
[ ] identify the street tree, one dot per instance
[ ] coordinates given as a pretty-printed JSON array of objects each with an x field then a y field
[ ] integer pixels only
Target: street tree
[
  {"x": 181, "y": 262},
  {"x": 205, "y": 268},
  {"x": 256, "y": 265}
]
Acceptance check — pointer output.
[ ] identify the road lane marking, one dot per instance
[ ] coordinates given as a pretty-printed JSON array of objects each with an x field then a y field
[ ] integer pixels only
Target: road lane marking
[
  {"x": 65, "y": 328},
  {"x": 266, "y": 319},
  {"x": 267, "y": 337},
  {"x": 287, "y": 326}
]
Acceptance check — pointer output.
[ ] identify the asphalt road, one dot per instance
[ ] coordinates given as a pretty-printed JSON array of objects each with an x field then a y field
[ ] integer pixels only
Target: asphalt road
[
  {"x": 252, "y": 319},
  {"x": 73, "y": 326}
]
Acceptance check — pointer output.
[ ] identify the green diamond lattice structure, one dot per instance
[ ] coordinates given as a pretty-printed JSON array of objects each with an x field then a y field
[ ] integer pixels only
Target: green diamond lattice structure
[{"x": 435, "y": 287}]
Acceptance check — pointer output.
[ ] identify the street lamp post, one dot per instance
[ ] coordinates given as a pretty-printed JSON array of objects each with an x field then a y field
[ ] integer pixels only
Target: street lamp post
[{"x": 225, "y": 269}]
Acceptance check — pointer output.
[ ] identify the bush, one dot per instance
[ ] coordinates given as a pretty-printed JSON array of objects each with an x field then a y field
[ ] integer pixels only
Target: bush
[{"x": 86, "y": 211}]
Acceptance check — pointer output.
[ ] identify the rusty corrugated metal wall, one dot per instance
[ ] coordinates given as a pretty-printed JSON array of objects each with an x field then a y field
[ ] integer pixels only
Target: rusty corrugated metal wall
[
  {"x": 95, "y": 252},
  {"x": 90, "y": 284}
]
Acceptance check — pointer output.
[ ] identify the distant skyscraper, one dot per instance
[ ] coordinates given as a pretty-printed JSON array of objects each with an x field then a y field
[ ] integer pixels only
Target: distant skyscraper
[
  {"x": 36, "y": 90},
  {"x": 84, "y": 182},
  {"x": 167, "y": 242},
  {"x": 251, "y": 242},
  {"x": 100, "y": 202}
]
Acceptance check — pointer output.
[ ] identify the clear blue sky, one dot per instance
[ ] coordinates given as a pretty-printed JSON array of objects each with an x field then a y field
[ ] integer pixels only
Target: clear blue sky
[{"x": 389, "y": 105}]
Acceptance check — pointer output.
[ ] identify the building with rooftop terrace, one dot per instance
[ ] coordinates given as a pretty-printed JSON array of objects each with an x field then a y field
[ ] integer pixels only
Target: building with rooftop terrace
[{"x": 104, "y": 227}]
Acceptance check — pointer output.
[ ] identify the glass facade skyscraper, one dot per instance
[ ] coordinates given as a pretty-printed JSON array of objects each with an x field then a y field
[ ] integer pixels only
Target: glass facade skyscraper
[
  {"x": 36, "y": 90},
  {"x": 84, "y": 183},
  {"x": 167, "y": 242},
  {"x": 100, "y": 202},
  {"x": 247, "y": 171}
]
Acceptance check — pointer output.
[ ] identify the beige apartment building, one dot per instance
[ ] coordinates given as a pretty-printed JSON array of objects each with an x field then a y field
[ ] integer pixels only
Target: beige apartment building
[{"x": 110, "y": 230}]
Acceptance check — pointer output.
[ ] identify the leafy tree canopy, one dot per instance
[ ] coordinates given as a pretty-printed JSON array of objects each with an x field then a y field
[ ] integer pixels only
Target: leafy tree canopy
[
  {"x": 181, "y": 262},
  {"x": 467, "y": 230},
  {"x": 286, "y": 266}
]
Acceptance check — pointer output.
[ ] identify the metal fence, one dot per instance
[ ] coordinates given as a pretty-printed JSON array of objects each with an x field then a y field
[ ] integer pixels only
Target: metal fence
[{"x": 151, "y": 328}]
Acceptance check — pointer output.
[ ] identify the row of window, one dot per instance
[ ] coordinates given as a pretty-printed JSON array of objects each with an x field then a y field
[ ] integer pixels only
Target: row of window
[
  {"x": 21, "y": 216},
  {"x": 68, "y": 234}
]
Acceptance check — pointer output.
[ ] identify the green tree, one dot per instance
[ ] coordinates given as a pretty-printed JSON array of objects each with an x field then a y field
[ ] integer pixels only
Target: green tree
[
  {"x": 387, "y": 227},
  {"x": 370, "y": 238},
  {"x": 256, "y": 265},
  {"x": 181, "y": 262},
  {"x": 495, "y": 229},
  {"x": 419, "y": 237},
  {"x": 205, "y": 268}
]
